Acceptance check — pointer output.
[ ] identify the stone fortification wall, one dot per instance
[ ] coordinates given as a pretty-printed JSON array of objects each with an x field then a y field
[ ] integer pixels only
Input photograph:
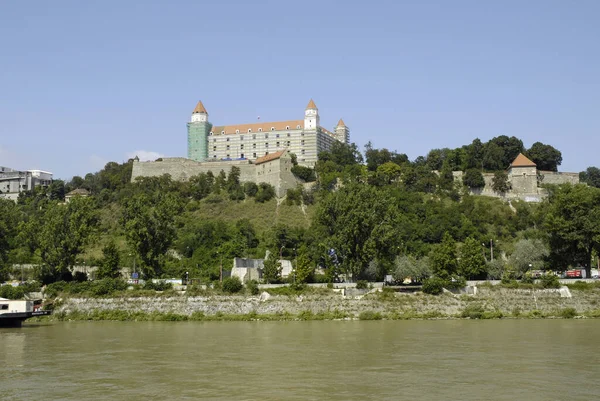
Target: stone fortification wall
[
  {"x": 523, "y": 182},
  {"x": 276, "y": 172},
  {"x": 551, "y": 177}
]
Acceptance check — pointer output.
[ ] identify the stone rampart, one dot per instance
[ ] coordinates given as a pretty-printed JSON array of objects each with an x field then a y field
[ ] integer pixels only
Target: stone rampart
[{"x": 276, "y": 172}]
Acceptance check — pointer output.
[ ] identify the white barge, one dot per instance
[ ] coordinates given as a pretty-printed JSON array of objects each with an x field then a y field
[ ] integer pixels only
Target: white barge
[{"x": 14, "y": 312}]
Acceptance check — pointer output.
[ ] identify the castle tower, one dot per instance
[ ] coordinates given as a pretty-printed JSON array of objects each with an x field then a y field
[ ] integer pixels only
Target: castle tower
[
  {"x": 522, "y": 174},
  {"x": 342, "y": 133},
  {"x": 311, "y": 117},
  {"x": 198, "y": 129}
]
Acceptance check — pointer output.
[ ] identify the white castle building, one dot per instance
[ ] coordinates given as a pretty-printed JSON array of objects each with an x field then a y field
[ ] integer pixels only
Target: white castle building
[{"x": 305, "y": 138}]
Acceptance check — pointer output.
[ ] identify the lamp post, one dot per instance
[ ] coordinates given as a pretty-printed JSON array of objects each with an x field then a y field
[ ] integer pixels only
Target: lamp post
[{"x": 491, "y": 250}]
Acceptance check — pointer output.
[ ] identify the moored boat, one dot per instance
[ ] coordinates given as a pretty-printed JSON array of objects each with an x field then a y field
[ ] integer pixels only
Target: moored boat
[{"x": 14, "y": 312}]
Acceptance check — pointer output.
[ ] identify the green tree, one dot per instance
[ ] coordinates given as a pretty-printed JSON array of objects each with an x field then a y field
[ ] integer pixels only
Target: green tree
[
  {"x": 149, "y": 226},
  {"x": 361, "y": 225},
  {"x": 573, "y": 224},
  {"x": 473, "y": 179},
  {"x": 528, "y": 254},
  {"x": 64, "y": 233},
  {"x": 407, "y": 267},
  {"x": 544, "y": 156},
  {"x": 272, "y": 269},
  {"x": 303, "y": 269},
  {"x": 265, "y": 193},
  {"x": 591, "y": 176},
  {"x": 443, "y": 258},
  {"x": 8, "y": 233},
  {"x": 500, "y": 182},
  {"x": 109, "y": 266},
  {"x": 472, "y": 262},
  {"x": 306, "y": 174}
]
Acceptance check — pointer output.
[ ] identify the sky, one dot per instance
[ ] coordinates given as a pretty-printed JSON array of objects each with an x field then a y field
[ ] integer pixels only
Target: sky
[{"x": 83, "y": 83}]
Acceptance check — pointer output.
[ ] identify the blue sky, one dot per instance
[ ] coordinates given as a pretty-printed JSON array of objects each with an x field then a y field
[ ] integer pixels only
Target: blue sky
[{"x": 83, "y": 83}]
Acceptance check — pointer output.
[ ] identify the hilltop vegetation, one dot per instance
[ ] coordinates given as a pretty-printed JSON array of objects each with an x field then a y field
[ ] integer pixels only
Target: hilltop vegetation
[{"x": 364, "y": 217}]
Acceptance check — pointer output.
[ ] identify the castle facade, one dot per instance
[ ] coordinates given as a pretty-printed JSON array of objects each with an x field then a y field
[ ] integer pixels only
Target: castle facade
[{"x": 305, "y": 138}]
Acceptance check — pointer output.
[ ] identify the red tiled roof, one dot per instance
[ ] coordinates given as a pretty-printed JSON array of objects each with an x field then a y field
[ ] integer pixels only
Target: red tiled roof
[
  {"x": 522, "y": 161},
  {"x": 270, "y": 157}
]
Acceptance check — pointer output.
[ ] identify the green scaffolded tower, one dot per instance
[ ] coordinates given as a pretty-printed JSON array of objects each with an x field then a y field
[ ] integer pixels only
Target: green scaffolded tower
[{"x": 198, "y": 130}]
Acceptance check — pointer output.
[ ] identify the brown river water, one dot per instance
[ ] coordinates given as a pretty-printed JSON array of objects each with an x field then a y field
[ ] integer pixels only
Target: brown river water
[{"x": 320, "y": 360}]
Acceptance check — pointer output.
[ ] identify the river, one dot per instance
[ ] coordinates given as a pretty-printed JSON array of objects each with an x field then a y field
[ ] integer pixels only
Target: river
[{"x": 318, "y": 360}]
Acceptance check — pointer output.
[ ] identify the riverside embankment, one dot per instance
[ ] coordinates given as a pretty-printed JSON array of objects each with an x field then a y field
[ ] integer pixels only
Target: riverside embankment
[{"x": 480, "y": 302}]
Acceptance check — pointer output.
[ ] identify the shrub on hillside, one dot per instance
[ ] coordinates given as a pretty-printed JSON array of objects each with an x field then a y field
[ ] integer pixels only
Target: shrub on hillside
[
  {"x": 232, "y": 285},
  {"x": 252, "y": 287},
  {"x": 433, "y": 285},
  {"x": 362, "y": 285},
  {"x": 157, "y": 286},
  {"x": 549, "y": 280}
]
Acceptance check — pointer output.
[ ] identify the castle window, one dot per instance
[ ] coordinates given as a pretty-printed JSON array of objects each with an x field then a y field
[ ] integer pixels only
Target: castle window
[
  {"x": 254, "y": 155},
  {"x": 289, "y": 134},
  {"x": 222, "y": 132},
  {"x": 277, "y": 136},
  {"x": 288, "y": 143},
  {"x": 241, "y": 137},
  {"x": 214, "y": 148},
  {"x": 266, "y": 153},
  {"x": 253, "y": 146},
  {"x": 266, "y": 144},
  {"x": 210, "y": 133},
  {"x": 249, "y": 129},
  {"x": 242, "y": 146},
  {"x": 227, "y": 139},
  {"x": 237, "y": 131},
  {"x": 272, "y": 128},
  {"x": 287, "y": 127},
  {"x": 227, "y": 154},
  {"x": 302, "y": 151},
  {"x": 302, "y": 142},
  {"x": 266, "y": 136},
  {"x": 253, "y": 136},
  {"x": 227, "y": 147},
  {"x": 215, "y": 140},
  {"x": 242, "y": 155},
  {"x": 260, "y": 130},
  {"x": 297, "y": 126},
  {"x": 215, "y": 156}
]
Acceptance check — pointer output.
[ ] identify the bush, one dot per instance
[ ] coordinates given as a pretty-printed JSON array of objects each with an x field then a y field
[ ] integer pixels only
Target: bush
[
  {"x": 528, "y": 279},
  {"x": 474, "y": 311},
  {"x": 568, "y": 313},
  {"x": 549, "y": 280},
  {"x": 252, "y": 287},
  {"x": 433, "y": 285},
  {"x": 158, "y": 286},
  {"x": 370, "y": 315},
  {"x": 362, "y": 285},
  {"x": 304, "y": 173},
  {"x": 232, "y": 285},
  {"x": 456, "y": 283}
]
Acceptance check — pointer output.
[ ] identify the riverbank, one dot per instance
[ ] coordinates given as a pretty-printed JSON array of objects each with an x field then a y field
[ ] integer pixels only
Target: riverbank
[{"x": 483, "y": 302}]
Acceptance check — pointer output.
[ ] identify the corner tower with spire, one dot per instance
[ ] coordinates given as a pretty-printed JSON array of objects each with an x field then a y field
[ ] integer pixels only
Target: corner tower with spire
[
  {"x": 311, "y": 116},
  {"x": 198, "y": 130},
  {"x": 342, "y": 132}
]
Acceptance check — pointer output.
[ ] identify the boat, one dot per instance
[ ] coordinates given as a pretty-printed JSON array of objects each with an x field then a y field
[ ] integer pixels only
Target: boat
[{"x": 14, "y": 312}]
